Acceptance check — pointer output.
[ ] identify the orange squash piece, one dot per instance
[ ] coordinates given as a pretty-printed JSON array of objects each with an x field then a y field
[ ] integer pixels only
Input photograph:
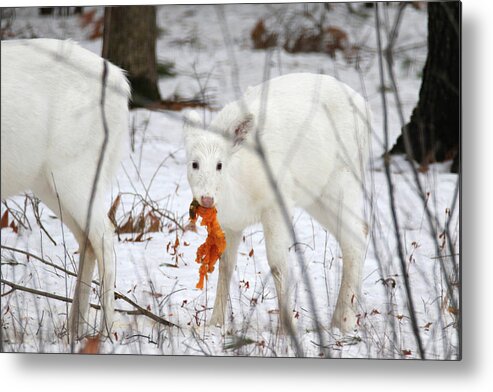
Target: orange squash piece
[{"x": 211, "y": 250}]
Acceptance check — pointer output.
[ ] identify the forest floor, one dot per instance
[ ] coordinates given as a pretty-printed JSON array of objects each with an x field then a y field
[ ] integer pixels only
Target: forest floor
[{"x": 158, "y": 270}]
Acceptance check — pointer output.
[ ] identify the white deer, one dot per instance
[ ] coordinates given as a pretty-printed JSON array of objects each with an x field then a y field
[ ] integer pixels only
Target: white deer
[
  {"x": 52, "y": 135},
  {"x": 313, "y": 133}
]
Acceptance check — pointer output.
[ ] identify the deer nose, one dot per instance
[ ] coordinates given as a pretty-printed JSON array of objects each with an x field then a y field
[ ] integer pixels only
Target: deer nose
[{"x": 207, "y": 201}]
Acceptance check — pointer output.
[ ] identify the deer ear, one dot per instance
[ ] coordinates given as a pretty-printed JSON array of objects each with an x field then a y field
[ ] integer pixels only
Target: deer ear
[{"x": 242, "y": 128}]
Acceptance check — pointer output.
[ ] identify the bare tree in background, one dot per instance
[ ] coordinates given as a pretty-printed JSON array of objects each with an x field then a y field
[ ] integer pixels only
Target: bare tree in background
[
  {"x": 129, "y": 41},
  {"x": 433, "y": 132}
]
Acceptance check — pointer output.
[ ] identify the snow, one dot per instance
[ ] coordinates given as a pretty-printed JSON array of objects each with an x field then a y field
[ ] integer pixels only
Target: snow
[{"x": 163, "y": 279}]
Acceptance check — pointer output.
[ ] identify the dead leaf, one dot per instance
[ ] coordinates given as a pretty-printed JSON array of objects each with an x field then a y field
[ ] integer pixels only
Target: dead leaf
[
  {"x": 126, "y": 227},
  {"x": 4, "y": 222},
  {"x": 453, "y": 310},
  {"x": 112, "y": 211},
  {"x": 168, "y": 265},
  {"x": 138, "y": 238},
  {"x": 154, "y": 294},
  {"x": 14, "y": 227},
  {"x": 175, "y": 247},
  {"x": 91, "y": 345},
  {"x": 261, "y": 37},
  {"x": 87, "y": 18},
  {"x": 154, "y": 224}
]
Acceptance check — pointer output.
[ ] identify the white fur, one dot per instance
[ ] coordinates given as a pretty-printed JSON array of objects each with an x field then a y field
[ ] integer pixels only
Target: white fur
[
  {"x": 315, "y": 134},
  {"x": 52, "y": 134}
]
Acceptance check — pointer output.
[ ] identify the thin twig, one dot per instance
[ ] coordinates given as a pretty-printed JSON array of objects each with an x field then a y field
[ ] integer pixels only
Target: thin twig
[
  {"x": 15, "y": 286},
  {"x": 144, "y": 311},
  {"x": 409, "y": 152},
  {"x": 393, "y": 209},
  {"x": 118, "y": 295},
  {"x": 139, "y": 309},
  {"x": 156, "y": 210},
  {"x": 14, "y": 215},
  {"x": 270, "y": 175},
  {"x": 28, "y": 254},
  {"x": 79, "y": 283},
  {"x": 35, "y": 206}
]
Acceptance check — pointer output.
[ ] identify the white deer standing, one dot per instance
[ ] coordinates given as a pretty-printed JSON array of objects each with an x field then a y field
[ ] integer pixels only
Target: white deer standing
[
  {"x": 314, "y": 132},
  {"x": 51, "y": 138}
]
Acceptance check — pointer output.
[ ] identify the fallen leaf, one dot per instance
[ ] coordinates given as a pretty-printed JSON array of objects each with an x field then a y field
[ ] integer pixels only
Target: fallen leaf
[
  {"x": 4, "y": 222},
  {"x": 14, "y": 227},
  {"x": 453, "y": 310},
  {"x": 112, "y": 211},
  {"x": 91, "y": 345}
]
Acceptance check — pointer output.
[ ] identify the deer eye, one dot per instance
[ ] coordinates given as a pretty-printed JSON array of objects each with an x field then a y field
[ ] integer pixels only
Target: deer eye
[
  {"x": 219, "y": 166},
  {"x": 195, "y": 165}
]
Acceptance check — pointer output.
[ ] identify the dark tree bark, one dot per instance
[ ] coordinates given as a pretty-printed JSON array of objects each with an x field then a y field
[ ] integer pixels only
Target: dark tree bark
[
  {"x": 129, "y": 41},
  {"x": 433, "y": 132},
  {"x": 62, "y": 11}
]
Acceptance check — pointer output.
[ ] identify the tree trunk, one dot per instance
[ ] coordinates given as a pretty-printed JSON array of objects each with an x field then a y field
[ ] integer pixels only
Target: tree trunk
[
  {"x": 129, "y": 41},
  {"x": 433, "y": 133}
]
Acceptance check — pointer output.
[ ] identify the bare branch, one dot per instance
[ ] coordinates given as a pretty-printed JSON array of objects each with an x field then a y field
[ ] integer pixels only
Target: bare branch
[
  {"x": 391, "y": 194},
  {"x": 139, "y": 310}
]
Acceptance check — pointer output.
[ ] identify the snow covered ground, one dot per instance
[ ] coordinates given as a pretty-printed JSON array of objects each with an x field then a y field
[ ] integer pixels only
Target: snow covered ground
[{"x": 159, "y": 272}]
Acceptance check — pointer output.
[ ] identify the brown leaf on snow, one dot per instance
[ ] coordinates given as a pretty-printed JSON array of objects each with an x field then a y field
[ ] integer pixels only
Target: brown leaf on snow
[
  {"x": 262, "y": 39},
  {"x": 14, "y": 227},
  {"x": 175, "y": 247},
  {"x": 4, "y": 222},
  {"x": 154, "y": 223},
  {"x": 453, "y": 310},
  {"x": 154, "y": 294},
  {"x": 87, "y": 18},
  {"x": 127, "y": 227},
  {"x": 91, "y": 345},
  {"x": 112, "y": 211},
  {"x": 139, "y": 238}
]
